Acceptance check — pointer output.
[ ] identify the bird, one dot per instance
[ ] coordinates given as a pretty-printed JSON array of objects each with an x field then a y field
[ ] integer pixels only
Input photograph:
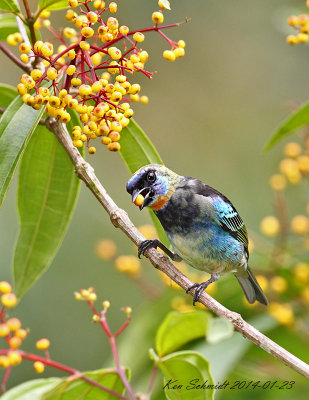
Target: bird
[{"x": 201, "y": 224}]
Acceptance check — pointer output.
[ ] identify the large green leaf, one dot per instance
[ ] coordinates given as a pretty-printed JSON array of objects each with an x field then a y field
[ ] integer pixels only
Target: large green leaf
[
  {"x": 31, "y": 390},
  {"x": 8, "y": 25},
  {"x": 297, "y": 120},
  {"x": 69, "y": 389},
  {"x": 183, "y": 372},
  {"x": 16, "y": 126},
  {"x": 47, "y": 192},
  {"x": 137, "y": 151},
  {"x": 178, "y": 329},
  {"x": 9, "y": 6},
  {"x": 53, "y": 5}
]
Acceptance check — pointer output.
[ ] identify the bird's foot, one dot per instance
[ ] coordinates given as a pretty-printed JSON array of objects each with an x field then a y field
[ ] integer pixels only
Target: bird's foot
[
  {"x": 146, "y": 244},
  {"x": 156, "y": 243},
  {"x": 200, "y": 287}
]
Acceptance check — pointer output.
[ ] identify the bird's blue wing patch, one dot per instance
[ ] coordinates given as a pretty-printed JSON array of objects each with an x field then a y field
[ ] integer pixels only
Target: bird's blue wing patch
[{"x": 230, "y": 220}]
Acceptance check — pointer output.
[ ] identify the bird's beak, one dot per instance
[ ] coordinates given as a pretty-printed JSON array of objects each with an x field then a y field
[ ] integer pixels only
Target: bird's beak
[{"x": 146, "y": 192}]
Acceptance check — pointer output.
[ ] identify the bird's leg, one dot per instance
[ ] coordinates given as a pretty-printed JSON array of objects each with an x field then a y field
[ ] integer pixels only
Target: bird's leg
[
  {"x": 200, "y": 287},
  {"x": 156, "y": 243}
]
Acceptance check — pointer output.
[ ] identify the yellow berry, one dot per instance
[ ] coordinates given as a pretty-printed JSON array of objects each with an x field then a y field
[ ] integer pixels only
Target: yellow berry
[
  {"x": 302, "y": 37},
  {"x": 138, "y": 37},
  {"x": 300, "y": 225},
  {"x": 278, "y": 284},
  {"x": 293, "y": 20},
  {"x": 106, "y": 140},
  {"x": 128, "y": 113},
  {"x": 14, "y": 324},
  {"x": 99, "y": 4},
  {"x": 14, "y": 358},
  {"x": 263, "y": 282},
  {"x": 24, "y": 48},
  {"x": 124, "y": 30},
  {"x": 282, "y": 313},
  {"x": 114, "y": 53},
  {"x": 165, "y": 4},
  {"x": 43, "y": 91},
  {"x": 135, "y": 88},
  {"x": 139, "y": 200},
  {"x": 73, "y": 3},
  {"x": 157, "y": 17},
  {"x": 115, "y": 136},
  {"x": 47, "y": 49},
  {"x": 78, "y": 143},
  {"x": 84, "y": 45},
  {"x": 277, "y": 182},
  {"x": 76, "y": 82},
  {"x": 181, "y": 44},
  {"x": 129, "y": 265},
  {"x": 270, "y": 226},
  {"x": 52, "y": 73},
  {"x": 92, "y": 150},
  {"x": 96, "y": 59},
  {"x": 4, "y": 330},
  {"x": 106, "y": 249},
  {"x": 71, "y": 54},
  {"x": 144, "y": 100},
  {"x": 24, "y": 58},
  {"x": 15, "y": 342},
  {"x": 21, "y": 333},
  {"x": 8, "y": 300},
  {"x": 135, "y": 97},
  {"x": 54, "y": 101},
  {"x": 179, "y": 52},
  {"x": 87, "y": 32},
  {"x": 301, "y": 273},
  {"x": 106, "y": 304},
  {"x": 96, "y": 87},
  {"x": 127, "y": 310},
  {"x": 84, "y": 90},
  {"x": 292, "y": 150},
  {"x": 113, "y": 7},
  {"x": 42, "y": 344},
  {"x": 169, "y": 55},
  {"x": 92, "y": 17},
  {"x": 303, "y": 164},
  {"x": 71, "y": 70},
  {"x": 39, "y": 367},
  {"x": 5, "y": 287},
  {"x": 4, "y": 361}
]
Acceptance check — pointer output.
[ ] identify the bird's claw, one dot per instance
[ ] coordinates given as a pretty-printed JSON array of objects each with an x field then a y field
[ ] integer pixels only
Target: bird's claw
[
  {"x": 200, "y": 287},
  {"x": 145, "y": 245}
]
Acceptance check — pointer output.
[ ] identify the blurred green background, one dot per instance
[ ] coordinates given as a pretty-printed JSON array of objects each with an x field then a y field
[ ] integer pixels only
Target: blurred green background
[{"x": 210, "y": 114}]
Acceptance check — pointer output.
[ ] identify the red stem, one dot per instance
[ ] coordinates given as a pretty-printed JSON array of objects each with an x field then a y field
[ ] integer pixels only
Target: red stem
[
  {"x": 152, "y": 379},
  {"x": 5, "y": 378},
  {"x": 73, "y": 372}
]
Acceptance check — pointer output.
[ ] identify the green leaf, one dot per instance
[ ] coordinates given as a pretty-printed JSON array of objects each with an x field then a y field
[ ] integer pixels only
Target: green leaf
[
  {"x": 185, "y": 370},
  {"x": 178, "y": 329},
  {"x": 219, "y": 329},
  {"x": 9, "y": 6},
  {"x": 297, "y": 120},
  {"x": 137, "y": 151},
  {"x": 47, "y": 193},
  {"x": 31, "y": 390},
  {"x": 69, "y": 389},
  {"x": 16, "y": 126},
  {"x": 52, "y": 5},
  {"x": 7, "y": 94}
]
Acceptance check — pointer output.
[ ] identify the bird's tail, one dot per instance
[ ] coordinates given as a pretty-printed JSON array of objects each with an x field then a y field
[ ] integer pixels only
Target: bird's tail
[{"x": 251, "y": 288}]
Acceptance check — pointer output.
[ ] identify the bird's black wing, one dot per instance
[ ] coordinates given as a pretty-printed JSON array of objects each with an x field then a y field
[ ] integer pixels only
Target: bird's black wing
[{"x": 226, "y": 213}]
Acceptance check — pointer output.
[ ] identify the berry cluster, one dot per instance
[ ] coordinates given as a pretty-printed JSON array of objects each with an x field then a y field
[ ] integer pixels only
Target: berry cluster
[
  {"x": 89, "y": 71},
  {"x": 301, "y": 24}
]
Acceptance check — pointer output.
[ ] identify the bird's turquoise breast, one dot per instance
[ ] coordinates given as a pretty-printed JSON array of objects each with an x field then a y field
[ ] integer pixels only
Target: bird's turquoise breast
[{"x": 208, "y": 248}]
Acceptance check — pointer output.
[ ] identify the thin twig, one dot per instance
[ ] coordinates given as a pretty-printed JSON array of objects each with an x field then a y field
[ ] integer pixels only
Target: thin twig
[
  {"x": 15, "y": 59},
  {"x": 120, "y": 219}
]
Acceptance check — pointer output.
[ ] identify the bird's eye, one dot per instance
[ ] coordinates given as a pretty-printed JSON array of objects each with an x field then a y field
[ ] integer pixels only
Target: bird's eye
[{"x": 151, "y": 176}]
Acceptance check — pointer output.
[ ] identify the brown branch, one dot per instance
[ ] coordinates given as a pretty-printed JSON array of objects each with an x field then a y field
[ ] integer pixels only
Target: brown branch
[{"x": 120, "y": 219}]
